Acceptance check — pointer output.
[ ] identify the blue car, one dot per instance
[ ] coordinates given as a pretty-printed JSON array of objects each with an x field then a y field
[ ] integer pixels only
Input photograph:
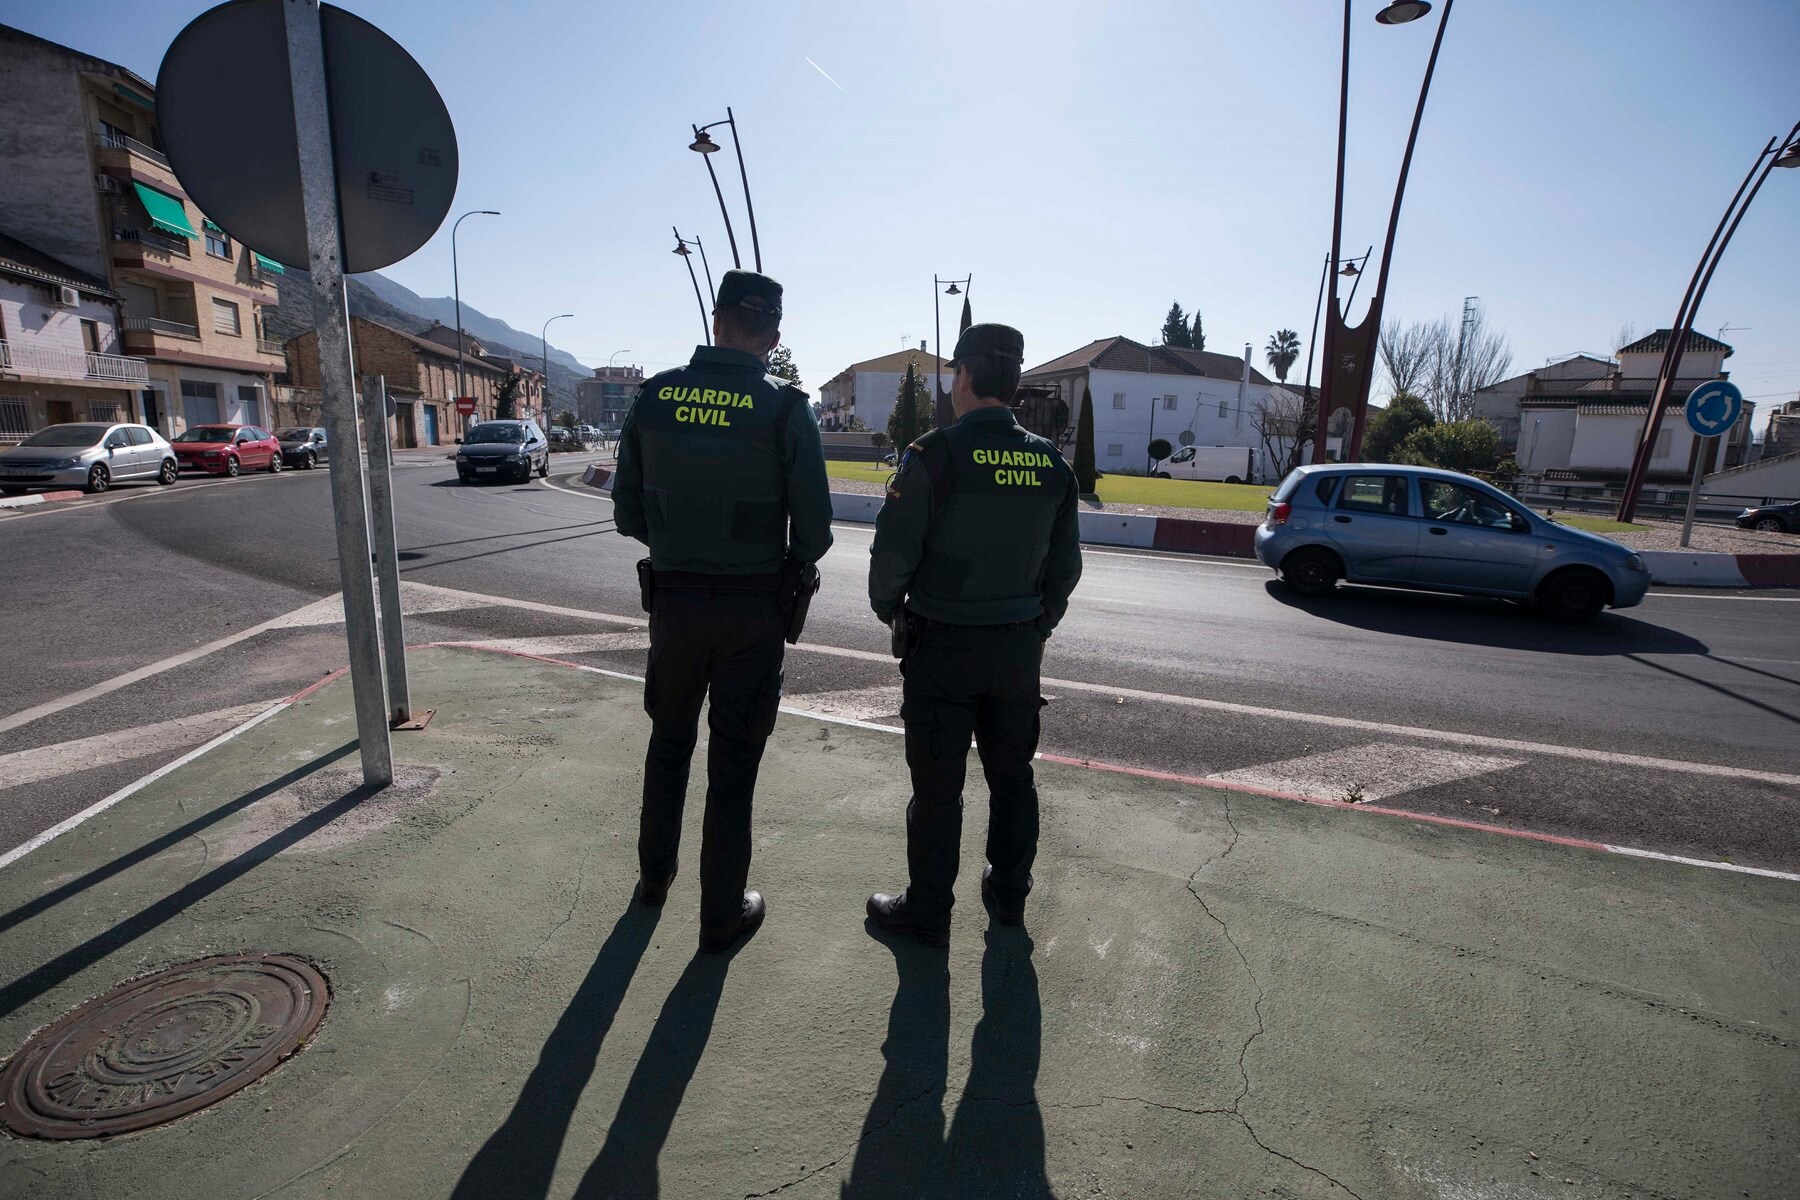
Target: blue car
[{"x": 1438, "y": 531}]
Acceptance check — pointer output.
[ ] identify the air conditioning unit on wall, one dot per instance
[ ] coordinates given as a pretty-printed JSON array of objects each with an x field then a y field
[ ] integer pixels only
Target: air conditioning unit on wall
[
  {"x": 106, "y": 183},
  {"x": 67, "y": 297}
]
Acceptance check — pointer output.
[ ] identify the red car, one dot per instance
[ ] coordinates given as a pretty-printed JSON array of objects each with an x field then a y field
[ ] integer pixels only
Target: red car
[{"x": 228, "y": 449}]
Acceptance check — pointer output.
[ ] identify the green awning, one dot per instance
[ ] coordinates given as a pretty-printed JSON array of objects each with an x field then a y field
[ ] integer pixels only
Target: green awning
[
  {"x": 211, "y": 228},
  {"x": 268, "y": 264},
  {"x": 166, "y": 212},
  {"x": 140, "y": 101}
]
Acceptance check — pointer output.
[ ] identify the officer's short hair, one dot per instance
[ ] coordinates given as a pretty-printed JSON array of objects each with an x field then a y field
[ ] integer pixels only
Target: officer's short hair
[
  {"x": 743, "y": 324},
  {"x": 991, "y": 376}
]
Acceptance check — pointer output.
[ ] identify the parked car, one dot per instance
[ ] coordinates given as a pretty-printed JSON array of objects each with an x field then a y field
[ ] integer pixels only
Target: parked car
[
  {"x": 302, "y": 446},
  {"x": 566, "y": 439},
  {"x": 1432, "y": 530},
  {"x": 228, "y": 449},
  {"x": 1772, "y": 518},
  {"x": 497, "y": 450},
  {"x": 1220, "y": 464},
  {"x": 89, "y": 455}
]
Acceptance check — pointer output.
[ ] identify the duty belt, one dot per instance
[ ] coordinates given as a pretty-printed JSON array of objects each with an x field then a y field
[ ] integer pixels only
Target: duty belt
[
  {"x": 697, "y": 581},
  {"x": 928, "y": 623}
]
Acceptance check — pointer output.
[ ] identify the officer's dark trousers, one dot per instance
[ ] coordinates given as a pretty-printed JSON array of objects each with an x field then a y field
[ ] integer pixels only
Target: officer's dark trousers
[
  {"x": 730, "y": 642},
  {"x": 961, "y": 681}
]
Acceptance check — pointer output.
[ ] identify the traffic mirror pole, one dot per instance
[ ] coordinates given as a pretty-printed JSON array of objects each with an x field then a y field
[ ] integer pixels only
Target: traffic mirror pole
[
  {"x": 325, "y": 253},
  {"x": 1703, "y": 449},
  {"x": 387, "y": 556}
]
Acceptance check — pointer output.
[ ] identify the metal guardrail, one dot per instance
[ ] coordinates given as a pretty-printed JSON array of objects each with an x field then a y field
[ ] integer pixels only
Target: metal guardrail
[
  {"x": 112, "y": 140},
  {"x": 154, "y": 241},
  {"x": 56, "y": 362},
  {"x": 158, "y": 325},
  {"x": 1664, "y": 500}
]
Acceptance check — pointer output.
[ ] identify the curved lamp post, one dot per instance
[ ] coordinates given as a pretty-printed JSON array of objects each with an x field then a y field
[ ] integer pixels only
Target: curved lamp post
[
  {"x": 1779, "y": 152},
  {"x": 545, "y": 338},
  {"x": 1307, "y": 399},
  {"x": 681, "y": 248},
  {"x": 1350, "y": 351},
  {"x": 705, "y": 146},
  {"x": 462, "y": 388},
  {"x": 940, "y": 403}
]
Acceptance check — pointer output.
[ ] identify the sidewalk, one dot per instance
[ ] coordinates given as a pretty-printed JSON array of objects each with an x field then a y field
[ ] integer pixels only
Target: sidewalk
[{"x": 1216, "y": 994}]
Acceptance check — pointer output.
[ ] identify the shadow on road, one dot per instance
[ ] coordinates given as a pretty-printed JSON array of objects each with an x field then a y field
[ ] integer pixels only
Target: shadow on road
[
  {"x": 417, "y": 565},
  {"x": 1476, "y": 621},
  {"x": 995, "y": 1145}
]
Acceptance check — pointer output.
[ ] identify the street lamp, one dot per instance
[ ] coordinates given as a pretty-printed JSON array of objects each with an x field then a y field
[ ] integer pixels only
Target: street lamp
[
  {"x": 1350, "y": 352},
  {"x": 681, "y": 248},
  {"x": 704, "y": 146},
  {"x": 545, "y": 338},
  {"x": 462, "y": 383},
  {"x": 940, "y": 403},
  {"x": 1307, "y": 399},
  {"x": 1780, "y": 152},
  {"x": 695, "y": 243}
]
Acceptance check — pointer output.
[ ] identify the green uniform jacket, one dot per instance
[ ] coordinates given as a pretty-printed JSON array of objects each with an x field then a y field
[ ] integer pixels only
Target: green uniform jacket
[
  {"x": 721, "y": 470},
  {"x": 996, "y": 540}
]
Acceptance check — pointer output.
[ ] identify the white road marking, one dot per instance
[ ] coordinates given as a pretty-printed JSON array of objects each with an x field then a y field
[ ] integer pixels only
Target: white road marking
[
  {"x": 859, "y": 704},
  {"x": 100, "y": 806},
  {"x": 1704, "y": 862},
  {"x": 553, "y": 646},
  {"x": 1374, "y": 771},
  {"x": 1699, "y": 596},
  {"x": 47, "y": 762}
]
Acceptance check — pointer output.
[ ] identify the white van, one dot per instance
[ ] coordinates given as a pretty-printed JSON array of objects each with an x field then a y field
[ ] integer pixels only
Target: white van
[{"x": 1220, "y": 464}]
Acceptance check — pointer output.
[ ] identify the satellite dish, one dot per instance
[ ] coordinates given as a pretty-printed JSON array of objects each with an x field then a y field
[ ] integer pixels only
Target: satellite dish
[
  {"x": 1187, "y": 437},
  {"x": 393, "y": 142}
]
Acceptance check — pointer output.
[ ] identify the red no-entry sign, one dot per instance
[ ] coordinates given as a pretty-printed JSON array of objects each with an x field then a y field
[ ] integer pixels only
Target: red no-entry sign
[{"x": 465, "y": 405}]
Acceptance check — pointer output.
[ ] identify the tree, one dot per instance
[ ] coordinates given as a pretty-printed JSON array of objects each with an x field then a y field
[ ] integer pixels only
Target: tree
[
  {"x": 781, "y": 363},
  {"x": 855, "y": 425},
  {"x": 1282, "y": 350},
  {"x": 1445, "y": 362},
  {"x": 912, "y": 413},
  {"x": 1175, "y": 327},
  {"x": 506, "y": 400},
  {"x": 1276, "y": 419},
  {"x": 1405, "y": 354},
  {"x": 1455, "y": 446},
  {"x": 1197, "y": 339},
  {"x": 566, "y": 419},
  {"x": 1390, "y": 427},
  {"x": 1085, "y": 471}
]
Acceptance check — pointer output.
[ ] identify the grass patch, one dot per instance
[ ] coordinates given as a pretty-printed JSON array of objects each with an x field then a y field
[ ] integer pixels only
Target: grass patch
[
  {"x": 1118, "y": 489},
  {"x": 1595, "y": 524}
]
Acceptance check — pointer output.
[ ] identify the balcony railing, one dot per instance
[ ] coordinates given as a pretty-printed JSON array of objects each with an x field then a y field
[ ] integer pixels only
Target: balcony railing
[
  {"x": 110, "y": 139},
  {"x": 153, "y": 240},
  {"x": 56, "y": 362},
  {"x": 158, "y": 325},
  {"x": 269, "y": 346}
]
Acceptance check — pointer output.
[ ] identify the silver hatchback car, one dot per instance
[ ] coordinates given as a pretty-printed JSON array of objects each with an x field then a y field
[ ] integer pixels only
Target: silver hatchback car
[
  {"x": 1439, "y": 531},
  {"x": 91, "y": 455}
]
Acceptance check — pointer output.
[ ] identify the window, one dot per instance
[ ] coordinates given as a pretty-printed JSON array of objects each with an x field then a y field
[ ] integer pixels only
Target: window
[
  {"x": 1663, "y": 439},
  {"x": 138, "y": 435},
  {"x": 1169, "y": 403},
  {"x": 217, "y": 244},
  {"x": 1118, "y": 399},
  {"x": 1453, "y": 503},
  {"x": 90, "y": 335},
  {"x": 15, "y": 416},
  {"x": 225, "y": 317},
  {"x": 200, "y": 402},
  {"x": 1114, "y": 449},
  {"x": 1224, "y": 409},
  {"x": 1326, "y": 489},
  {"x": 104, "y": 410},
  {"x": 1376, "y": 494}
]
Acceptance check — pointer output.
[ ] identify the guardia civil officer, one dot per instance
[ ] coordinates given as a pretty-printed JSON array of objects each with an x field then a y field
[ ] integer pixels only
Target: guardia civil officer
[
  {"x": 976, "y": 552},
  {"x": 722, "y": 474}
]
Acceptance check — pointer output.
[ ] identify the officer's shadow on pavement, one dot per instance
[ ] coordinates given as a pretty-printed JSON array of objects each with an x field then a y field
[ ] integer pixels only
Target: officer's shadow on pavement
[{"x": 995, "y": 1145}]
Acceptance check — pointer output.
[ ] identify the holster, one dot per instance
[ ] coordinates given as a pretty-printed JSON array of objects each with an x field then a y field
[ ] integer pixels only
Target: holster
[
  {"x": 907, "y": 631},
  {"x": 799, "y": 583},
  {"x": 646, "y": 584}
]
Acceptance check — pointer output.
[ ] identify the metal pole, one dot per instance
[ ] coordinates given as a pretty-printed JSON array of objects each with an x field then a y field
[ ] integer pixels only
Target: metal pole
[
  {"x": 723, "y": 212},
  {"x": 1323, "y": 417},
  {"x": 1148, "y": 457},
  {"x": 1306, "y": 392},
  {"x": 331, "y": 313},
  {"x": 705, "y": 325},
  {"x": 937, "y": 348},
  {"x": 545, "y": 338},
  {"x": 755, "y": 246},
  {"x": 1703, "y": 449},
  {"x": 386, "y": 552},
  {"x": 711, "y": 290}
]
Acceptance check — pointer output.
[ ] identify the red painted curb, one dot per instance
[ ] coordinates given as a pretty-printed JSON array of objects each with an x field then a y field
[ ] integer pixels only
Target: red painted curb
[
  {"x": 1204, "y": 537},
  {"x": 1770, "y": 570}
]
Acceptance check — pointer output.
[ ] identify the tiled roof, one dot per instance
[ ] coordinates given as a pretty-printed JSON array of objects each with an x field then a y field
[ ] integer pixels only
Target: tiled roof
[
  {"x": 1120, "y": 353},
  {"x": 897, "y": 361},
  {"x": 1656, "y": 343},
  {"x": 19, "y": 259}
]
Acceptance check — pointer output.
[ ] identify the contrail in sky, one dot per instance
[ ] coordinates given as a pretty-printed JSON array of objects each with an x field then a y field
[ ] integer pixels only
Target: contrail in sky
[{"x": 828, "y": 79}]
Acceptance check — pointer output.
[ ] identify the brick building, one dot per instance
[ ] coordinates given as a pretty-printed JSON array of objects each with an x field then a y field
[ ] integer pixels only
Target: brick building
[{"x": 421, "y": 382}]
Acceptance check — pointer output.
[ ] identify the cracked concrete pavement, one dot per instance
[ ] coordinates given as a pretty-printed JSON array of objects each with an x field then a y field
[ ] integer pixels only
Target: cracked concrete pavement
[{"x": 1215, "y": 995}]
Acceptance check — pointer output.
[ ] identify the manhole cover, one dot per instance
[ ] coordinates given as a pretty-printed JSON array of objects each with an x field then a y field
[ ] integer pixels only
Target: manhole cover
[{"x": 162, "y": 1046}]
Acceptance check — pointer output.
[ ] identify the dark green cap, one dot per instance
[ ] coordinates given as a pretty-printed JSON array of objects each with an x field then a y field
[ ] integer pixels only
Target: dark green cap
[
  {"x": 1000, "y": 341},
  {"x": 747, "y": 289}
]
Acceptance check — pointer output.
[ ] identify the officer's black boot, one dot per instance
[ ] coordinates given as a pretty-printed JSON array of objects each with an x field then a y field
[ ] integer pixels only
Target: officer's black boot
[
  {"x": 749, "y": 920},
  {"x": 891, "y": 912},
  {"x": 1007, "y": 912}
]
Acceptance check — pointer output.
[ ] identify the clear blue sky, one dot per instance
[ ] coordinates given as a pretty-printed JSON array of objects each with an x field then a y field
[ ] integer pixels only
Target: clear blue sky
[{"x": 1089, "y": 162}]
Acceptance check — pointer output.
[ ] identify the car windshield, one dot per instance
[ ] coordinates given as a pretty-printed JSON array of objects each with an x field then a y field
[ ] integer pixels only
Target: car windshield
[
  {"x": 495, "y": 432},
  {"x": 293, "y": 435},
  {"x": 67, "y": 435},
  {"x": 207, "y": 433}
]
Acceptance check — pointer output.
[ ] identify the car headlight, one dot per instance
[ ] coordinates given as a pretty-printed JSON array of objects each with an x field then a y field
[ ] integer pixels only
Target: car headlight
[
  {"x": 63, "y": 464},
  {"x": 1634, "y": 562}
]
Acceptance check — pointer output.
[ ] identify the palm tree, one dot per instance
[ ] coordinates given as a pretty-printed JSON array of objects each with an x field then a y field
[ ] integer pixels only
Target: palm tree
[{"x": 1282, "y": 350}]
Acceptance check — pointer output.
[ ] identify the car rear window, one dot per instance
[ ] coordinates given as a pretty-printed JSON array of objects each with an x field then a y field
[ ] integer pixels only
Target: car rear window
[
  {"x": 1326, "y": 488},
  {"x": 1288, "y": 485}
]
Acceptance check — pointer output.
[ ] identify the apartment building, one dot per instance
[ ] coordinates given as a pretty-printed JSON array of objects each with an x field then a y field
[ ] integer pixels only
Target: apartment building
[
  {"x": 604, "y": 400},
  {"x": 82, "y": 181},
  {"x": 420, "y": 375},
  {"x": 59, "y": 346},
  {"x": 866, "y": 391},
  {"x": 529, "y": 393}
]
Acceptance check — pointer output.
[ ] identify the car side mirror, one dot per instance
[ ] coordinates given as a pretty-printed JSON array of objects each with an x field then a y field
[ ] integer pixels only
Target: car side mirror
[
  {"x": 1520, "y": 524},
  {"x": 459, "y": 441}
]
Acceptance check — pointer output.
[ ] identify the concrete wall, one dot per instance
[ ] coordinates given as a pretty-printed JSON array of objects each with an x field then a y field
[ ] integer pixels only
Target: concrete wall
[
  {"x": 46, "y": 165},
  {"x": 1605, "y": 442},
  {"x": 1777, "y": 478},
  {"x": 1546, "y": 437},
  {"x": 29, "y": 316},
  {"x": 1122, "y": 435},
  {"x": 1694, "y": 365}
]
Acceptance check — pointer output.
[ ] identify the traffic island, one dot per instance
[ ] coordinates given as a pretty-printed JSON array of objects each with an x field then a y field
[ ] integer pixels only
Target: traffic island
[{"x": 1214, "y": 994}]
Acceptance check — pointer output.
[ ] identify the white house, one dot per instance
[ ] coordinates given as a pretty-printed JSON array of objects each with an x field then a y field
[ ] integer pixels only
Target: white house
[
  {"x": 1141, "y": 393},
  {"x": 867, "y": 390}
]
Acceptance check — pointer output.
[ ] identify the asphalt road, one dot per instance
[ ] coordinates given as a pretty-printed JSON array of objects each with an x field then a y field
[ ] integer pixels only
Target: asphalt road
[{"x": 1671, "y": 727}]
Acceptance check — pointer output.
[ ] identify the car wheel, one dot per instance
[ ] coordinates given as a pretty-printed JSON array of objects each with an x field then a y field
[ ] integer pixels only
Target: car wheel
[
  {"x": 169, "y": 472},
  {"x": 231, "y": 465},
  {"x": 276, "y": 464},
  {"x": 1769, "y": 525},
  {"x": 99, "y": 479},
  {"x": 1572, "y": 597},
  {"x": 1233, "y": 479},
  {"x": 1312, "y": 570},
  {"x": 1163, "y": 475},
  {"x": 309, "y": 461}
]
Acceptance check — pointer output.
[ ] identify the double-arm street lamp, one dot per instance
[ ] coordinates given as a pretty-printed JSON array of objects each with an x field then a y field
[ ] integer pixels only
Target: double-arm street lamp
[
  {"x": 681, "y": 248},
  {"x": 705, "y": 146},
  {"x": 545, "y": 338},
  {"x": 462, "y": 388},
  {"x": 940, "y": 403},
  {"x": 1351, "y": 270},
  {"x": 1350, "y": 350},
  {"x": 1779, "y": 152}
]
